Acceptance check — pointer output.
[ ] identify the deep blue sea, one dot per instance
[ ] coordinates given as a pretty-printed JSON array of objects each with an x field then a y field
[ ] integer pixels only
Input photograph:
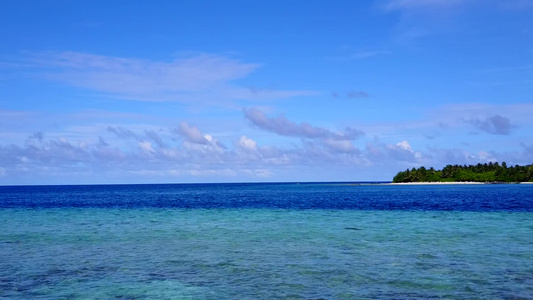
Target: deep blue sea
[{"x": 267, "y": 241}]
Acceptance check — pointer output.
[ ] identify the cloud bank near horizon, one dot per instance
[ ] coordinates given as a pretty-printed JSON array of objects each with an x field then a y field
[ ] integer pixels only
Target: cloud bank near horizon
[{"x": 185, "y": 153}]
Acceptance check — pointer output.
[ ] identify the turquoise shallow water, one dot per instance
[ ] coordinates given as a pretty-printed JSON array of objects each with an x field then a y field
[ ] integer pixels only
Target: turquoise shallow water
[{"x": 264, "y": 253}]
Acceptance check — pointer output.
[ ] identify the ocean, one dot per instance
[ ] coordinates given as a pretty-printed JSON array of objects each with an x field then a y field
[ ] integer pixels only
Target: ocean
[{"x": 266, "y": 241}]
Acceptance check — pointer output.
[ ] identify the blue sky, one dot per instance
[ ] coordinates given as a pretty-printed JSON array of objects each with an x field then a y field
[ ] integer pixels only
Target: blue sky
[{"x": 238, "y": 91}]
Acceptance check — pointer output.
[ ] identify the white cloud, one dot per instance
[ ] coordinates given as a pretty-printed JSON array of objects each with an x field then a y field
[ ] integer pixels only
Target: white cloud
[
  {"x": 357, "y": 94},
  {"x": 485, "y": 156},
  {"x": 405, "y": 146},
  {"x": 192, "y": 134},
  {"x": 199, "y": 144},
  {"x": 131, "y": 75},
  {"x": 418, "y": 4},
  {"x": 196, "y": 79},
  {"x": 495, "y": 124},
  {"x": 211, "y": 172},
  {"x": 247, "y": 144},
  {"x": 260, "y": 173},
  {"x": 402, "y": 151},
  {"x": 340, "y": 145},
  {"x": 122, "y": 132},
  {"x": 282, "y": 126},
  {"x": 154, "y": 136},
  {"x": 424, "y": 18},
  {"x": 147, "y": 147}
]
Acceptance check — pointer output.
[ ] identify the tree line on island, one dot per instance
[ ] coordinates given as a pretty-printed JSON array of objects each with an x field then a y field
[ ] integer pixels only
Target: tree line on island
[{"x": 491, "y": 172}]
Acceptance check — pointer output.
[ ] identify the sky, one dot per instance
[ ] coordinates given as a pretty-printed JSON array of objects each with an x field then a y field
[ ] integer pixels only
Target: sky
[{"x": 104, "y": 92}]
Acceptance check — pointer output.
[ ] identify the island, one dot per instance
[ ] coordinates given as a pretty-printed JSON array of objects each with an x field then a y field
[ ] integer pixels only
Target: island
[{"x": 489, "y": 173}]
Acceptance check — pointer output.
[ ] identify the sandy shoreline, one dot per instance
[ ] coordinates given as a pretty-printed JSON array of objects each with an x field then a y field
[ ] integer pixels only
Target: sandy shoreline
[{"x": 450, "y": 183}]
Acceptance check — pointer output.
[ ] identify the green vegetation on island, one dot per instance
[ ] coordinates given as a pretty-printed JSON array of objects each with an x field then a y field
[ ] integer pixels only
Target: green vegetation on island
[{"x": 491, "y": 172}]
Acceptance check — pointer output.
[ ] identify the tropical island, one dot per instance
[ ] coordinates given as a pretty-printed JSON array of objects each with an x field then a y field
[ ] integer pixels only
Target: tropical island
[{"x": 490, "y": 173}]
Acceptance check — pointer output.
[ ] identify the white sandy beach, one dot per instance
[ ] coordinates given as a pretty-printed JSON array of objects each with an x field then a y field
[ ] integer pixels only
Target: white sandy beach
[
  {"x": 452, "y": 183},
  {"x": 436, "y": 183}
]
